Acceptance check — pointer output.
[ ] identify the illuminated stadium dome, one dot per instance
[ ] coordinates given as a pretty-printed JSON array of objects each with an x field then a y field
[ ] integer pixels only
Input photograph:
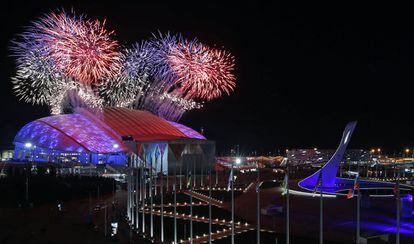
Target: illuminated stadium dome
[{"x": 94, "y": 138}]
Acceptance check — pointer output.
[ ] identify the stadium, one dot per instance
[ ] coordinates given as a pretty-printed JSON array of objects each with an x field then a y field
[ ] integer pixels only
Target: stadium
[{"x": 96, "y": 137}]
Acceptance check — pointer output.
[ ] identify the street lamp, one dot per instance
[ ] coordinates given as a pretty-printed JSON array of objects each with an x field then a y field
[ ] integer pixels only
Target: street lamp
[
  {"x": 28, "y": 146},
  {"x": 407, "y": 151},
  {"x": 238, "y": 161},
  {"x": 258, "y": 203}
]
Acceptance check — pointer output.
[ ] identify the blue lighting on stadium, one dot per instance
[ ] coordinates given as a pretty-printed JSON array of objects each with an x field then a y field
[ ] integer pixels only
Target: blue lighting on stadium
[{"x": 89, "y": 138}]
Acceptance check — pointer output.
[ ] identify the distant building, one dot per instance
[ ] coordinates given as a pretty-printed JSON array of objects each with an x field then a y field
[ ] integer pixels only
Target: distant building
[
  {"x": 357, "y": 156},
  {"x": 321, "y": 156},
  {"x": 7, "y": 155},
  {"x": 308, "y": 156}
]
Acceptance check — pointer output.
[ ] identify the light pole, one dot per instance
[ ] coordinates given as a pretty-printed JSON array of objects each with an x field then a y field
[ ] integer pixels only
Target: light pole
[
  {"x": 209, "y": 204},
  {"x": 321, "y": 209},
  {"x": 135, "y": 197},
  {"x": 192, "y": 186},
  {"x": 175, "y": 204},
  {"x": 151, "y": 202},
  {"x": 29, "y": 146},
  {"x": 358, "y": 234},
  {"x": 128, "y": 198},
  {"x": 137, "y": 192},
  {"x": 258, "y": 204},
  {"x": 238, "y": 161},
  {"x": 287, "y": 201},
  {"x": 143, "y": 189},
  {"x": 398, "y": 207},
  {"x": 162, "y": 197},
  {"x": 105, "y": 221},
  {"x": 377, "y": 160},
  {"x": 181, "y": 176}
]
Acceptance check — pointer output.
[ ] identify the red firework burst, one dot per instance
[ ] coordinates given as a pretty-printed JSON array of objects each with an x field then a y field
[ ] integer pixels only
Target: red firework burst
[
  {"x": 202, "y": 72},
  {"x": 82, "y": 49}
]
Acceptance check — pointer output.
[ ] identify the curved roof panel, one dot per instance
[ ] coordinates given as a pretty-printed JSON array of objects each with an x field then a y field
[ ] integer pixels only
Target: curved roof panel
[
  {"x": 187, "y": 131},
  {"x": 100, "y": 133},
  {"x": 46, "y": 136},
  {"x": 142, "y": 125}
]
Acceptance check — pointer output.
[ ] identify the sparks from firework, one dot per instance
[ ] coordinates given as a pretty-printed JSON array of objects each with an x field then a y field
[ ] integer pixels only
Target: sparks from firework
[
  {"x": 41, "y": 76},
  {"x": 71, "y": 96},
  {"x": 161, "y": 46},
  {"x": 202, "y": 72},
  {"x": 169, "y": 106},
  {"x": 36, "y": 80},
  {"x": 159, "y": 96},
  {"x": 137, "y": 85},
  {"x": 67, "y": 61},
  {"x": 132, "y": 80},
  {"x": 81, "y": 48},
  {"x": 182, "y": 71},
  {"x": 194, "y": 69}
]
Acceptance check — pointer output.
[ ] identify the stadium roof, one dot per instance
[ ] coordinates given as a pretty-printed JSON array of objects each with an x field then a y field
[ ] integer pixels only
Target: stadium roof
[{"x": 101, "y": 132}]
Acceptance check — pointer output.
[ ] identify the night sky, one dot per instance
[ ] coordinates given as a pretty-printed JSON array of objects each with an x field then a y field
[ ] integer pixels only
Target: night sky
[{"x": 303, "y": 72}]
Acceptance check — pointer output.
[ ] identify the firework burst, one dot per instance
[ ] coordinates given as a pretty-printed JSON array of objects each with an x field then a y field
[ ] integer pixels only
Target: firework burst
[
  {"x": 35, "y": 80},
  {"x": 132, "y": 80},
  {"x": 161, "y": 46},
  {"x": 202, "y": 72},
  {"x": 81, "y": 48},
  {"x": 68, "y": 62},
  {"x": 194, "y": 69},
  {"x": 58, "y": 57}
]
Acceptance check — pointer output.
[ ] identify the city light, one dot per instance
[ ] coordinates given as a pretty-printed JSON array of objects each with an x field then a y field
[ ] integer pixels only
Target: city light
[
  {"x": 28, "y": 145},
  {"x": 238, "y": 160}
]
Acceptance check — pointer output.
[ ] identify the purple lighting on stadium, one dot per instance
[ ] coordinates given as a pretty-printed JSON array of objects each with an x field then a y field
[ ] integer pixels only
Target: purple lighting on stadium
[
  {"x": 186, "y": 130},
  {"x": 72, "y": 132},
  {"x": 83, "y": 133}
]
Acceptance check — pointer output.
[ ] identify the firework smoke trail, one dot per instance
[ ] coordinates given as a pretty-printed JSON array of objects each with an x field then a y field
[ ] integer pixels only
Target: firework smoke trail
[
  {"x": 73, "y": 95},
  {"x": 173, "y": 107},
  {"x": 81, "y": 48},
  {"x": 169, "y": 106}
]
